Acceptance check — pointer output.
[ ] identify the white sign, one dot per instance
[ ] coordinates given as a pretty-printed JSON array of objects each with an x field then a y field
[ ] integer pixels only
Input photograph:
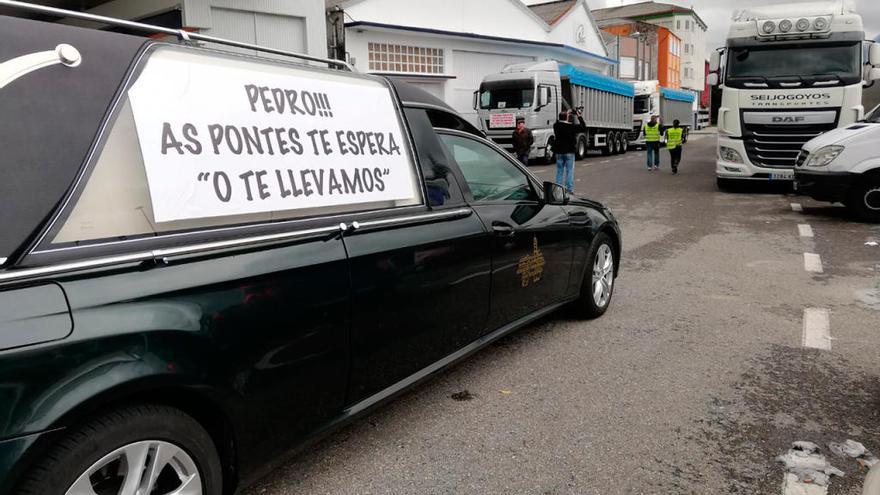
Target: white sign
[
  {"x": 231, "y": 136},
  {"x": 502, "y": 120}
]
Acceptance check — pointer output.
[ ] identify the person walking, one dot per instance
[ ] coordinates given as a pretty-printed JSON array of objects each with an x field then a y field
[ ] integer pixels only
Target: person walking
[
  {"x": 522, "y": 141},
  {"x": 652, "y": 133},
  {"x": 673, "y": 144},
  {"x": 564, "y": 133}
]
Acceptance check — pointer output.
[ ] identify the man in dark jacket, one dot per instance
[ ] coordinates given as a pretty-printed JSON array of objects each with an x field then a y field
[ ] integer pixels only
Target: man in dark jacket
[
  {"x": 564, "y": 135},
  {"x": 522, "y": 141}
]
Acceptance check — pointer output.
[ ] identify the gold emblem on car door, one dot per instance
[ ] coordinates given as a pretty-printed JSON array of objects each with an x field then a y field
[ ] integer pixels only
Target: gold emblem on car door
[{"x": 531, "y": 266}]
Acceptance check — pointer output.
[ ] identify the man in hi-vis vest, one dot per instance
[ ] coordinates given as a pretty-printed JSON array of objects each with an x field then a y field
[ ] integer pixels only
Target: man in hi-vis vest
[
  {"x": 673, "y": 144},
  {"x": 652, "y": 142}
]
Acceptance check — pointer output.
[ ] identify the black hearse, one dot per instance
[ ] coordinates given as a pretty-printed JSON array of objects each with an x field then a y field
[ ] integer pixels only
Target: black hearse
[{"x": 209, "y": 257}]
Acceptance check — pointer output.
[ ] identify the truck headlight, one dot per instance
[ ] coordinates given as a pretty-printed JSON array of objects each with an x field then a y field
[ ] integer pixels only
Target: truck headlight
[
  {"x": 824, "y": 156},
  {"x": 729, "y": 154}
]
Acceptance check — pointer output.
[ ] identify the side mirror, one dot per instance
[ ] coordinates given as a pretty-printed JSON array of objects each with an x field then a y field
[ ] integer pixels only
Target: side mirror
[
  {"x": 476, "y": 95},
  {"x": 874, "y": 54},
  {"x": 874, "y": 74},
  {"x": 715, "y": 61},
  {"x": 554, "y": 194},
  {"x": 712, "y": 79}
]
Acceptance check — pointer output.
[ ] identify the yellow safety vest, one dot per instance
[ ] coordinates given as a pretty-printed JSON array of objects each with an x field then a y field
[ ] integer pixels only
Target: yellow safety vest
[
  {"x": 673, "y": 137},
  {"x": 652, "y": 133}
]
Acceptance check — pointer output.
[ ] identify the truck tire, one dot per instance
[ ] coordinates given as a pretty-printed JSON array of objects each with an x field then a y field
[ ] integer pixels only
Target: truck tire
[
  {"x": 581, "y": 150},
  {"x": 624, "y": 143},
  {"x": 609, "y": 144},
  {"x": 549, "y": 154},
  {"x": 684, "y": 135},
  {"x": 864, "y": 199},
  {"x": 124, "y": 442}
]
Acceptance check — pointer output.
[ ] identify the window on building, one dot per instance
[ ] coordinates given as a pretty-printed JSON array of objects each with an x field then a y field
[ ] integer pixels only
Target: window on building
[
  {"x": 686, "y": 50},
  {"x": 390, "y": 57},
  {"x": 678, "y": 24},
  {"x": 687, "y": 25}
]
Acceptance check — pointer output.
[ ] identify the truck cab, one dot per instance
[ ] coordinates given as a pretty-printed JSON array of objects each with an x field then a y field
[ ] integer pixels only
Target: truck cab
[{"x": 788, "y": 73}]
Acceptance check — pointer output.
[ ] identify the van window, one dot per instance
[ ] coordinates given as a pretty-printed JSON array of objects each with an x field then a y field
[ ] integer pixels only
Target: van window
[{"x": 205, "y": 139}]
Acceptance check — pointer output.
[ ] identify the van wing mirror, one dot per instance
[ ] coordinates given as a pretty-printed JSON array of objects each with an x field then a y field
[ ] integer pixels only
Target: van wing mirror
[
  {"x": 712, "y": 79},
  {"x": 554, "y": 194}
]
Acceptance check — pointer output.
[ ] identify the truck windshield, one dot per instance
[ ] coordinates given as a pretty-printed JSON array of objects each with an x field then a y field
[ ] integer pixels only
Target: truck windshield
[
  {"x": 642, "y": 104},
  {"x": 507, "y": 94},
  {"x": 842, "y": 60}
]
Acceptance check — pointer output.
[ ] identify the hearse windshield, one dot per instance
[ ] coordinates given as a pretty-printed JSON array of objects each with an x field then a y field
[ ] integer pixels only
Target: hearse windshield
[
  {"x": 507, "y": 94},
  {"x": 842, "y": 60},
  {"x": 642, "y": 104}
]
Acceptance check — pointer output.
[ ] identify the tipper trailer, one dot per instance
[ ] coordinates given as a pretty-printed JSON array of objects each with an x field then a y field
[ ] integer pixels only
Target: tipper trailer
[{"x": 538, "y": 92}]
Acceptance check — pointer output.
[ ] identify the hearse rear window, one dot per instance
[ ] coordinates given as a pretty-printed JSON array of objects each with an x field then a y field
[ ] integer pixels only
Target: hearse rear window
[{"x": 204, "y": 139}]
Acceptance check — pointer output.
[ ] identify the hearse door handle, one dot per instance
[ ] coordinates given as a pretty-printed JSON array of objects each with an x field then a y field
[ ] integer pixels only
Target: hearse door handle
[{"x": 503, "y": 229}]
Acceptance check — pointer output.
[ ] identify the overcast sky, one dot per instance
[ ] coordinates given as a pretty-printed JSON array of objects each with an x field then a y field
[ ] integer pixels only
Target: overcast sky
[{"x": 716, "y": 13}]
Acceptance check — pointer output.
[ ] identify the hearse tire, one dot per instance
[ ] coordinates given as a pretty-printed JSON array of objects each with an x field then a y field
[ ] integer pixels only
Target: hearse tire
[
  {"x": 864, "y": 199},
  {"x": 128, "y": 433},
  {"x": 600, "y": 259}
]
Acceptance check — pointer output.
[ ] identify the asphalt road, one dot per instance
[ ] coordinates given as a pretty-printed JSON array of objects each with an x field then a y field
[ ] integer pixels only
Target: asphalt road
[{"x": 694, "y": 381}]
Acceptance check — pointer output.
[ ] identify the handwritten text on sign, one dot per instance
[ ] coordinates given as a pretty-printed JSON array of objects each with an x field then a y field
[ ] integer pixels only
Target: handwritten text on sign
[{"x": 223, "y": 137}]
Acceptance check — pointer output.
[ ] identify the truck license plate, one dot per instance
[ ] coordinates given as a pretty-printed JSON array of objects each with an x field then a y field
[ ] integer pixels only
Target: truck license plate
[{"x": 782, "y": 176}]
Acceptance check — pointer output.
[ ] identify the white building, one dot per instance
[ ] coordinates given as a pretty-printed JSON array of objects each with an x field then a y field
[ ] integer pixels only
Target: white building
[
  {"x": 684, "y": 23},
  {"x": 293, "y": 25},
  {"x": 448, "y": 46}
]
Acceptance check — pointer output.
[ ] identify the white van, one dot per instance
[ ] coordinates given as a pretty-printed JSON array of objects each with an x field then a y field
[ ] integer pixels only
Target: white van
[{"x": 843, "y": 165}]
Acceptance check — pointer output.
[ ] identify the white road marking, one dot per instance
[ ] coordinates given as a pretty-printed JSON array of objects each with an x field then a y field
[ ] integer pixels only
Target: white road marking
[
  {"x": 796, "y": 207},
  {"x": 812, "y": 263},
  {"x": 817, "y": 329},
  {"x": 605, "y": 161},
  {"x": 805, "y": 230}
]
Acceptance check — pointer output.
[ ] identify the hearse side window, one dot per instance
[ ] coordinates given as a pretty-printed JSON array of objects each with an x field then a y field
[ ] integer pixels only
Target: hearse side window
[
  {"x": 489, "y": 175},
  {"x": 207, "y": 140},
  {"x": 441, "y": 181}
]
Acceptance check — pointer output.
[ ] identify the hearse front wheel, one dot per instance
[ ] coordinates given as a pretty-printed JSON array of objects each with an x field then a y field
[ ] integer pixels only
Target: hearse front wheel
[
  {"x": 598, "y": 284},
  {"x": 155, "y": 450}
]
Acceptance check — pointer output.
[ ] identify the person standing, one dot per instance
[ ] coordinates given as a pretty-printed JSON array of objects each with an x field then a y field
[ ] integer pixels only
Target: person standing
[
  {"x": 652, "y": 133},
  {"x": 565, "y": 134},
  {"x": 522, "y": 141},
  {"x": 673, "y": 144}
]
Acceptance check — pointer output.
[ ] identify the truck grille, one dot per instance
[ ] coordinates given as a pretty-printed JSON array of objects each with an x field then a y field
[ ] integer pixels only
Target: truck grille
[
  {"x": 634, "y": 134},
  {"x": 778, "y": 146}
]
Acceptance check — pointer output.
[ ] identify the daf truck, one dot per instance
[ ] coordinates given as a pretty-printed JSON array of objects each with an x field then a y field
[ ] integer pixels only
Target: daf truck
[
  {"x": 538, "y": 92},
  {"x": 667, "y": 103},
  {"x": 788, "y": 73}
]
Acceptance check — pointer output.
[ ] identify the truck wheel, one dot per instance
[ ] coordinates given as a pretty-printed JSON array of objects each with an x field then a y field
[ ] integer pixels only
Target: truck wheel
[
  {"x": 581, "y": 147},
  {"x": 624, "y": 143},
  {"x": 609, "y": 144},
  {"x": 864, "y": 199},
  {"x": 598, "y": 284},
  {"x": 549, "y": 154},
  {"x": 155, "y": 449},
  {"x": 684, "y": 135}
]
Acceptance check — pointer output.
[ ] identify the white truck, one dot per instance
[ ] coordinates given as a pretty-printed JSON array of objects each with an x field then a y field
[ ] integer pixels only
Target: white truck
[
  {"x": 538, "y": 92},
  {"x": 843, "y": 166},
  {"x": 788, "y": 73},
  {"x": 667, "y": 103}
]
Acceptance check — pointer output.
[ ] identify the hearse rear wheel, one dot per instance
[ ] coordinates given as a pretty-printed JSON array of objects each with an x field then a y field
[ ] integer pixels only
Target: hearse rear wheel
[
  {"x": 147, "y": 449},
  {"x": 598, "y": 284}
]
